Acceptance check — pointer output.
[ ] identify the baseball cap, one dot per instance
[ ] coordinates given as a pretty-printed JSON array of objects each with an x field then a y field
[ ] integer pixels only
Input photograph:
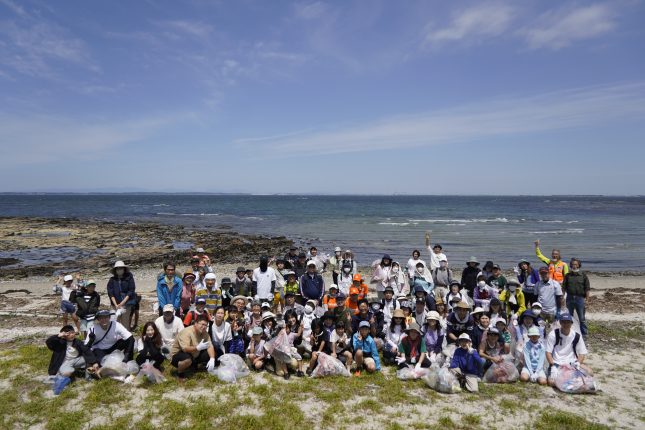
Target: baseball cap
[
  {"x": 544, "y": 269},
  {"x": 566, "y": 317},
  {"x": 200, "y": 250},
  {"x": 534, "y": 331},
  {"x": 364, "y": 324},
  {"x": 257, "y": 330},
  {"x": 463, "y": 336},
  {"x": 200, "y": 301},
  {"x": 169, "y": 308},
  {"x": 68, "y": 278}
]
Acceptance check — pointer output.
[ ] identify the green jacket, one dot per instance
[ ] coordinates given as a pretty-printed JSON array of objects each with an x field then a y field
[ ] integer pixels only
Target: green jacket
[{"x": 576, "y": 284}]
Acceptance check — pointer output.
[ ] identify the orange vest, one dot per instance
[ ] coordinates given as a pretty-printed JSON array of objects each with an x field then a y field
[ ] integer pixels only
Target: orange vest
[{"x": 556, "y": 271}]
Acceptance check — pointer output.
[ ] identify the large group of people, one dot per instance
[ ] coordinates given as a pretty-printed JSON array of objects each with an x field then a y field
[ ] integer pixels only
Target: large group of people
[{"x": 414, "y": 315}]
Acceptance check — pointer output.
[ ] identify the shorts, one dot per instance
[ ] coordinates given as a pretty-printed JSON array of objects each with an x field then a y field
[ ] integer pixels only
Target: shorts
[
  {"x": 540, "y": 373},
  {"x": 67, "y": 307},
  {"x": 369, "y": 361},
  {"x": 86, "y": 325}
]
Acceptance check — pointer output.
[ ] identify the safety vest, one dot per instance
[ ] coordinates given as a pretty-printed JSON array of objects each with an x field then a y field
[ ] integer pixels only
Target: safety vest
[{"x": 556, "y": 271}]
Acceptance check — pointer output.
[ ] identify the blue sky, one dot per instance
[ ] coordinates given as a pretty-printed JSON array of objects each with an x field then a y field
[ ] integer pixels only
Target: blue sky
[{"x": 427, "y": 97}]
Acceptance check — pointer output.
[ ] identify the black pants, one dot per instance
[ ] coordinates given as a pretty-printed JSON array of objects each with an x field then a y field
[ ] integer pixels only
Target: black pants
[
  {"x": 530, "y": 298},
  {"x": 202, "y": 358},
  {"x": 157, "y": 360},
  {"x": 127, "y": 346},
  {"x": 425, "y": 363}
]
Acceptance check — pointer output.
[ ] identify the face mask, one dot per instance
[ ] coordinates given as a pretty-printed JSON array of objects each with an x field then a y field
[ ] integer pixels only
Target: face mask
[
  {"x": 481, "y": 284},
  {"x": 511, "y": 288},
  {"x": 575, "y": 270},
  {"x": 443, "y": 264},
  {"x": 347, "y": 270},
  {"x": 308, "y": 309},
  {"x": 395, "y": 270},
  {"x": 420, "y": 270}
]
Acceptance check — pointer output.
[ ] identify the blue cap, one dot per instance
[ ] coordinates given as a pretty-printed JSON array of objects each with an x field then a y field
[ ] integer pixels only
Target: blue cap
[
  {"x": 566, "y": 317},
  {"x": 364, "y": 324}
]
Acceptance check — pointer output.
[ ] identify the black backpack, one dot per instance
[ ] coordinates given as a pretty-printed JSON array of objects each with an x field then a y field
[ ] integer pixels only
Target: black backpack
[{"x": 558, "y": 340}]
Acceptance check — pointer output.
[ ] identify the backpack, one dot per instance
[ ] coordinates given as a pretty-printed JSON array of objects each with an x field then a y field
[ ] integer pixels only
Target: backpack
[{"x": 558, "y": 340}]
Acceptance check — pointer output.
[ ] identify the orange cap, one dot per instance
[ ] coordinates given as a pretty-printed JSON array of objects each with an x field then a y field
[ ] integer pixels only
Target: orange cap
[
  {"x": 357, "y": 277},
  {"x": 353, "y": 290}
]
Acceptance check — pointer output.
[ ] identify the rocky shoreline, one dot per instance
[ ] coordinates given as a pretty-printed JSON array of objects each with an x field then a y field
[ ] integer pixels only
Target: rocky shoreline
[{"x": 46, "y": 246}]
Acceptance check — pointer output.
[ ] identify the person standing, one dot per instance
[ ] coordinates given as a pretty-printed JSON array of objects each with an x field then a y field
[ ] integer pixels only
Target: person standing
[
  {"x": 549, "y": 296},
  {"x": 121, "y": 291},
  {"x": 576, "y": 286},
  {"x": 528, "y": 277},
  {"x": 264, "y": 281},
  {"x": 436, "y": 252},
  {"x": 557, "y": 268},
  {"x": 469, "y": 275},
  {"x": 381, "y": 274},
  {"x": 169, "y": 287},
  {"x": 312, "y": 285}
]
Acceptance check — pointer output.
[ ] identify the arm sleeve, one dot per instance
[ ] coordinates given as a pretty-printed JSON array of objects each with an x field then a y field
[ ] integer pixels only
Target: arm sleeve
[
  {"x": 161, "y": 296},
  {"x": 375, "y": 356},
  {"x": 587, "y": 285},
  {"x": 541, "y": 360},
  {"x": 541, "y": 256}
]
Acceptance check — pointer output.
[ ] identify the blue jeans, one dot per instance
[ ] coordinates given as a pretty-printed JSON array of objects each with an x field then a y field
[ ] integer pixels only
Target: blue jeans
[{"x": 578, "y": 303}]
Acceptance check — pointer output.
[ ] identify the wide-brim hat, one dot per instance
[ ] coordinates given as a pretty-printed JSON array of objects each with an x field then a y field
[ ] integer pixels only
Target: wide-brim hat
[
  {"x": 413, "y": 326},
  {"x": 398, "y": 313},
  {"x": 472, "y": 260}
]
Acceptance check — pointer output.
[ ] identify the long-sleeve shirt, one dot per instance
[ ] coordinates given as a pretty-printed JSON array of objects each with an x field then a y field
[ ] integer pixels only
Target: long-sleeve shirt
[
  {"x": 169, "y": 294},
  {"x": 576, "y": 284},
  {"x": 468, "y": 363},
  {"x": 534, "y": 356},
  {"x": 557, "y": 270},
  {"x": 312, "y": 287}
]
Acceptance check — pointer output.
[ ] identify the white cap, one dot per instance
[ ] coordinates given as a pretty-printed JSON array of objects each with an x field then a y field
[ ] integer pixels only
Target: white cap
[
  {"x": 210, "y": 275},
  {"x": 463, "y": 336},
  {"x": 443, "y": 258},
  {"x": 119, "y": 264},
  {"x": 536, "y": 305},
  {"x": 68, "y": 278},
  {"x": 478, "y": 310},
  {"x": 169, "y": 308},
  {"x": 310, "y": 262},
  {"x": 337, "y": 249},
  {"x": 200, "y": 250}
]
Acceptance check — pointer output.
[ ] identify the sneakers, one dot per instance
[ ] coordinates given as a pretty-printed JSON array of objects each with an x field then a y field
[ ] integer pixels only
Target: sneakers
[
  {"x": 299, "y": 373},
  {"x": 287, "y": 375},
  {"x": 60, "y": 384},
  {"x": 310, "y": 371}
]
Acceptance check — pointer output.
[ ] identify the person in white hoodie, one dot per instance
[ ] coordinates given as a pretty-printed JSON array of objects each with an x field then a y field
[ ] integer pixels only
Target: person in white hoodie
[
  {"x": 398, "y": 280},
  {"x": 411, "y": 267},
  {"x": 381, "y": 274},
  {"x": 345, "y": 278}
]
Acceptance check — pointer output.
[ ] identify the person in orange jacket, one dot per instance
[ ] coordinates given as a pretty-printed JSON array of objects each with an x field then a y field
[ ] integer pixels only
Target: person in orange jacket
[
  {"x": 362, "y": 287},
  {"x": 352, "y": 300}
]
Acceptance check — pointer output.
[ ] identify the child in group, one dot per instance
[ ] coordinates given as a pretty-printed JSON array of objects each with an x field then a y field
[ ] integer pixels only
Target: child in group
[
  {"x": 294, "y": 331},
  {"x": 291, "y": 286},
  {"x": 534, "y": 358},
  {"x": 412, "y": 349},
  {"x": 352, "y": 300},
  {"x": 237, "y": 342},
  {"x": 466, "y": 364},
  {"x": 319, "y": 343},
  {"x": 395, "y": 332},
  {"x": 68, "y": 296},
  {"x": 453, "y": 295},
  {"x": 504, "y": 334},
  {"x": 255, "y": 353},
  {"x": 340, "y": 347},
  {"x": 345, "y": 278},
  {"x": 365, "y": 351},
  {"x": 483, "y": 293},
  {"x": 490, "y": 348},
  {"x": 329, "y": 319},
  {"x": 87, "y": 305},
  {"x": 496, "y": 310},
  {"x": 150, "y": 346},
  {"x": 329, "y": 299},
  {"x": 254, "y": 318},
  {"x": 433, "y": 336},
  {"x": 200, "y": 309}
]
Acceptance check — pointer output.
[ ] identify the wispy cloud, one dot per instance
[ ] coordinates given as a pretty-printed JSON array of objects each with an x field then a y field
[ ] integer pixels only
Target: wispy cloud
[
  {"x": 472, "y": 24},
  {"x": 310, "y": 10},
  {"x": 513, "y": 116},
  {"x": 561, "y": 28},
  {"x": 196, "y": 29},
  {"x": 35, "y": 139}
]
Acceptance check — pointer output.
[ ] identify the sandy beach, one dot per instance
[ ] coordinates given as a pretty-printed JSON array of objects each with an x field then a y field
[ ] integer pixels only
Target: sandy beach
[{"x": 616, "y": 312}]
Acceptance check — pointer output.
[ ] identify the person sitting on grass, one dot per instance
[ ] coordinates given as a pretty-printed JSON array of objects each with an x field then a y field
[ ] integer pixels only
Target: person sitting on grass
[
  {"x": 533, "y": 358},
  {"x": 220, "y": 330},
  {"x": 466, "y": 364},
  {"x": 395, "y": 332},
  {"x": 565, "y": 346},
  {"x": 527, "y": 320},
  {"x": 319, "y": 343},
  {"x": 193, "y": 347},
  {"x": 412, "y": 349},
  {"x": 504, "y": 334},
  {"x": 255, "y": 353},
  {"x": 513, "y": 299},
  {"x": 490, "y": 348},
  {"x": 365, "y": 351},
  {"x": 433, "y": 336},
  {"x": 340, "y": 347},
  {"x": 107, "y": 336},
  {"x": 68, "y": 355},
  {"x": 460, "y": 321},
  {"x": 294, "y": 331},
  {"x": 151, "y": 347},
  {"x": 169, "y": 326}
]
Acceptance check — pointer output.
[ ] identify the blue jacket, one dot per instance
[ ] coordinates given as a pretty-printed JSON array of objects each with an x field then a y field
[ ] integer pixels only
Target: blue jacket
[
  {"x": 534, "y": 277},
  {"x": 368, "y": 346},
  {"x": 470, "y": 364},
  {"x": 165, "y": 296},
  {"x": 312, "y": 288},
  {"x": 119, "y": 288}
]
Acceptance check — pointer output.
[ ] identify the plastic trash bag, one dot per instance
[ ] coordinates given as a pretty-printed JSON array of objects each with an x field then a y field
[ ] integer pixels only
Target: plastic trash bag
[
  {"x": 411, "y": 373},
  {"x": 503, "y": 372},
  {"x": 574, "y": 381},
  {"x": 236, "y": 363},
  {"x": 329, "y": 366},
  {"x": 279, "y": 348},
  {"x": 150, "y": 373},
  {"x": 224, "y": 374},
  {"x": 442, "y": 380},
  {"x": 60, "y": 383}
]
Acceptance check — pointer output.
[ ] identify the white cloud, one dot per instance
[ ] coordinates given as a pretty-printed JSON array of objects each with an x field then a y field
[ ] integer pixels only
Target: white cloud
[
  {"x": 192, "y": 28},
  {"x": 311, "y": 10},
  {"x": 470, "y": 25},
  {"x": 487, "y": 120},
  {"x": 32, "y": 139},
  {"x": 561, "y": 28}
]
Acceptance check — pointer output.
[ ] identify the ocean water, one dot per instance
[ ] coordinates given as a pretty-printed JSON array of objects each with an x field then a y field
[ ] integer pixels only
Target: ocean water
[{"x": 607, "y": 233}]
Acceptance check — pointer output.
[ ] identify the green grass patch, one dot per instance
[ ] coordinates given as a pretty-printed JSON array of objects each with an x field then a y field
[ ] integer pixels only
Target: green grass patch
[{"x": 560, "y": 420}]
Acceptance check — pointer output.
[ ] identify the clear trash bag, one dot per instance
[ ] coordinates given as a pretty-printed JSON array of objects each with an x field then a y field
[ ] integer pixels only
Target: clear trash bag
[
  {"x": 237, "y": 363},
  {"x": 329, "y": 366},
  {"x": 224, "y": 374},
  {"x": 442, "y": 380},
  {"x": 149, "y": 372},
  {"x": 574, "y": 381},
  {"x": 503, "y": 372},
  {"x": 411, "y": 373}
]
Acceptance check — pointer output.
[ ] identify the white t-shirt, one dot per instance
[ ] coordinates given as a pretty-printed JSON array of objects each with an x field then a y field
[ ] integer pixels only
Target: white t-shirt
[
  {"x": 264, "y": 280},
  {"x": 221, "y": 334},
  {"x": 169, "y": 331},
  {"x": 563, "y": 353},
  {"x": 547, "y": 293},
  {"x": 66, "y": 292},
  {"x": 434, "y": 258},
  {"x": 335, "y": 338},
  {"x": 71, "y": 353},
  {"x": 115, "y": 332}
]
